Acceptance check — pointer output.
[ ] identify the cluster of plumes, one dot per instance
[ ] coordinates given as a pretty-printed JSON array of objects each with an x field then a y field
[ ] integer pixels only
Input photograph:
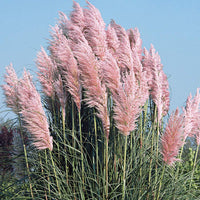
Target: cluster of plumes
[
  {"x": 179, "y": 127},
  {"x": 103, "y": 61},
  {"x": 24, "y": 99}
]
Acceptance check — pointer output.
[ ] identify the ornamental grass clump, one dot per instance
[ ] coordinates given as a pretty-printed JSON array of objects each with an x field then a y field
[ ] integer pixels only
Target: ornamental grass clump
[{"x": 98, "y": 129}]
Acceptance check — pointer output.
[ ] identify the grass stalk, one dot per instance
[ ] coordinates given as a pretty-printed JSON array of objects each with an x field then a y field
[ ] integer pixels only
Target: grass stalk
[
  {"x": 25, "y": 155},
  {"x": 106, "y": 167},
  {"x": 124, "y": 170},
  {"x": 194, "y": 165},
  {"x": 152, "y": 145},
  {"x": 96, "y": 149},
  {"x": 160, "y": 185},
  {"x": 55, "y": 174},
  {"x": 65, "y": 143},
  {"x": 81, "y": 141},
  {"x": 42, "y": 171},
  {"x": 46, "y": 162}
]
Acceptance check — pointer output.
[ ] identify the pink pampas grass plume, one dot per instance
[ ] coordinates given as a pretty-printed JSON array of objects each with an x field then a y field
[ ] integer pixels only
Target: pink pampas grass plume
[
  {"x": 124, "y": 55},
  {"x": 10, "y": 89},
  {"x": 60, "y": 92},
  {"x": 141, "y": 78},
  {"x": 192, "y": 117},
  {"x": 112, "y": 41},
  {"x": 96, "y": 95},
  {"x": 110, "y": 72},
  {"x": 126, "y": 105},
  {"x": 46, "y": 74},
  {"x": 56, "y": 39},
  {"x": 172, "y": 139},
  {"x": 33, "y": 114},
  {"x": 77, "y": 16},
  {"x": 69, "y": 70},
  {"x": 157, "y": 81},
  {"x": 135, "y": 41},
  {"x": 94, "y": 30}
]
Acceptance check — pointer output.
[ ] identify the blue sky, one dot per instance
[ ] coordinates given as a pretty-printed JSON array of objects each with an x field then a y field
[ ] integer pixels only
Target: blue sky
[{"x": 173, "y": 27}]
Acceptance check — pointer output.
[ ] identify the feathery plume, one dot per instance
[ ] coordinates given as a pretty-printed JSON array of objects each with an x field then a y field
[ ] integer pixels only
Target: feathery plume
[
  {"x": 10, "y": 89},
  {"x": 112, "y": 41},
  {"x": 141, "y": 78},
  {"x": 94, "y": 30},
  {"x": 172, "y": 139},
  {"x": 33, "y": 114},
  {"x": 46, "y": 73},
  {"x": 192, "y": 117},
  {"x": 135, "y": 41},
  {"x": 126, "y": 105},
  {"x": 77, "y": 16},
  {"x": 92, "y": 84},
  {"x": 69, "y": 70},
  {"x": 62, "y": 22},
  {"x": 124, "y": 55},
  {"x": 159, "y": 87},
  {"x": 110, "y": 72},
  {"x": 60, "y": 92},
  {"x": 56, "y": 35}
]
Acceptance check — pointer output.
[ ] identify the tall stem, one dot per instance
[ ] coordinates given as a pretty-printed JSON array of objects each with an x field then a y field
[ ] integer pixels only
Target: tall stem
[
  {"x": 194, "y": 165},
  {"x": 65, "y": 143},
  {"x": 55, "y": 174},
  {"x": 96, "y": 148},
  {"x": 177, "y": 171},
  {"x": 47, "y": 175},
  {"x": 73, "y": 145},
  {"x": 160, "y": 182},
  {"x": 157, "y": 138},
  {"x": 81, "y": 141},
  {"x": 152, "y": 145},
  {"x": 42, "y": 170},
  {"x": 106, "y": 167},
  {"x": 25, "y": 155},
  {"x": 124, "y": 170}
]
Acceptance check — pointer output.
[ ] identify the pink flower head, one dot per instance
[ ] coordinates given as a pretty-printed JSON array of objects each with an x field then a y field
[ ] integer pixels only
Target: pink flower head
[
  {"x": 157, "y": 81},
  {"x": 77, "y": 16},
  {"x": 124, "y": 54},
  {"x": 10, "y": 89},
  {"x": 60, "y": 92},
  {"x": 33, "y": 114},
  {"x": 192, "y": 117},
  {"x": 96, "y": 95},
  {"x": 126, "y": 104},
  {"x": 172, "y": 139},
  {"x": 112, "y": 41},
  {"x": 94, "y": 30},
  {"x": 110, "y": 72},
  {"x": 135, "y": 41},
  {"x": 63, "y": 22},
  {"x": 47, "y": 68},
  {"x": 141, "y": 78},
  {"x": 56, "y": 35},
  {"x": 69, "y": 70}
]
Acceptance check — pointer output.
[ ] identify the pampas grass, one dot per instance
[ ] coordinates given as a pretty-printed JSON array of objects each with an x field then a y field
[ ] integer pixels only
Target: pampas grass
[{"x": 102, "y": 134}]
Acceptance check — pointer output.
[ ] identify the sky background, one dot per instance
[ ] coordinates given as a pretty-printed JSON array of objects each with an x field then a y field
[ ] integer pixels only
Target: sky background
[{"x": 172, "y": 26}]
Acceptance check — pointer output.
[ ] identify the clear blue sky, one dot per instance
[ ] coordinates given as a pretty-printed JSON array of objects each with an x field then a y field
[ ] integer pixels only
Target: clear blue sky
[{"x": 172, "y": 26}]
